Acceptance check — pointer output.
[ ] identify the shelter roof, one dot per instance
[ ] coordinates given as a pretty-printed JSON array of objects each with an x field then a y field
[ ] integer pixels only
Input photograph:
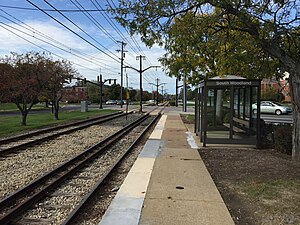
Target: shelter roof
[{"x": 227, "y": 77}]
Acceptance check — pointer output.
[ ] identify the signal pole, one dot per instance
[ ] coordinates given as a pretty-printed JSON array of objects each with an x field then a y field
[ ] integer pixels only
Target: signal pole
[{"x": 100, "y": 83}]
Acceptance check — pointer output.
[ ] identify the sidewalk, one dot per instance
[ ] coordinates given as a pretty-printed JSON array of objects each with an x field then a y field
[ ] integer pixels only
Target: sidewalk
[{"x": 169, "y": 183}]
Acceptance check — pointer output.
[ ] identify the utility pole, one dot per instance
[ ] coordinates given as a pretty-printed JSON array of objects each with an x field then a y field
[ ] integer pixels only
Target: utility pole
[
  {"x": 141, "y": 71},
  {"x": 122, "y": 62},
  {"x": 157, "y": 85}
]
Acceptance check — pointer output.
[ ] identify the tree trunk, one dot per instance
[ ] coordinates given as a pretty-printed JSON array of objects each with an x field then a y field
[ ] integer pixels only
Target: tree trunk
[
  {"x": 56, "y": 108},
  {"x": 24, "y": 111},
  {"x": 296, "y": 136},
  {"x": 295, "y": 92},
  {"x": 24, "y": 117}
]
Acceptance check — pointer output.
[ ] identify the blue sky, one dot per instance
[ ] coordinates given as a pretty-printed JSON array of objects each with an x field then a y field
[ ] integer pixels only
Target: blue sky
[{"x": 23, "y": 30}]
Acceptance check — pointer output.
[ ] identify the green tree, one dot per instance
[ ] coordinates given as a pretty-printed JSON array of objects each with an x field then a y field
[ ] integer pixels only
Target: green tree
[
  {"x": 93, "y": 92},
  {"x": 58, "y": 73},
  {"x": 22, "y": 80},
  {"x": 190, "y": 94},
  {"x": 132, "y": 94},
  {"x": 272, "y": 25},
  {"x": 112, "y": 92}
]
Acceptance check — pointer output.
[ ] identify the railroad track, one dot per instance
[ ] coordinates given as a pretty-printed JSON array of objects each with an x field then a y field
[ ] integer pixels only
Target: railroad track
[
  {"x": 15, "y": 143},
  {"x": 16, "y": 203}
]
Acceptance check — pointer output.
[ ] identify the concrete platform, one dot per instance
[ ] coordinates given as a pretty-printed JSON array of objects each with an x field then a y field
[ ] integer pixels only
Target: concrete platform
[{"x": 168, "y": 184}]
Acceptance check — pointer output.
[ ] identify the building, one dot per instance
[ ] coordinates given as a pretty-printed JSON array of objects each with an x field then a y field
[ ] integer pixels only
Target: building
[
  {"x": 282, "y": 86},
  {"x": 75, "y": 94}
]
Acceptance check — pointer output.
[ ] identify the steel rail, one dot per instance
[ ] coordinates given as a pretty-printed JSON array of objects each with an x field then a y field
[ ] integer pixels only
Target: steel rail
[
  {"x": 58, "y": 175},
  {"x": 163, "y": 106},
  {"x": 45, "y": 130},
  {"x": 54, "y": 135},
  {"x": 76, "y": 211}
]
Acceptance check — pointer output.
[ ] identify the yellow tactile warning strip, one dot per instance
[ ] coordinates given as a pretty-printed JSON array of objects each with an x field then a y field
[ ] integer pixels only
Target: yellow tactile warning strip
[{"x": 157, "y": 132}]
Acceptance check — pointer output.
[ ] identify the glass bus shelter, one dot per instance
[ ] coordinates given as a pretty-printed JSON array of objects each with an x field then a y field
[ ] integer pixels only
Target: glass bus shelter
[{"x": 223, "y": 112}]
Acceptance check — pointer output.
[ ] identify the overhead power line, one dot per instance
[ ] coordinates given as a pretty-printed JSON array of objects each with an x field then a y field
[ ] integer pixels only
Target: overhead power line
[
  {"x": 48, "y": 40},
  {"x": 113, "y": 25},
  {"x": 72, "y": 30},
  {"x": 45, "y": 48},
  {"x": 49, "y": 10},
  {"x": 93, "y": 20}
]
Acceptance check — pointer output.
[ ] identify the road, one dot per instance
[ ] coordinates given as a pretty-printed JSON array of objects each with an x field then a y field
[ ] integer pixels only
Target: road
[{"x": 269, "y": 118}]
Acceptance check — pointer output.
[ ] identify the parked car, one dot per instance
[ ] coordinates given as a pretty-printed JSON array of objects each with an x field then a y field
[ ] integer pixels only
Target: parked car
[
  {"x": 271, "y": 107},
  {"x": 111, "y": 102},
  {"x": 151, "y": 102}
]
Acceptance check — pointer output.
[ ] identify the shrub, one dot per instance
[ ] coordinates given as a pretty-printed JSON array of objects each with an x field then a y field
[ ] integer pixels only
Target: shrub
[
  {"x": 272, "y": 94},
  {"x": 283, "y": 139},
  {"x": 267, "y": 135},
  {"x": 172, "y": 103}
]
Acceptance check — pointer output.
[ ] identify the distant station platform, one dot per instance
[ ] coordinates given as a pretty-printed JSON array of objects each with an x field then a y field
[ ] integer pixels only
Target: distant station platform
[{"x": 169, "y": 183}]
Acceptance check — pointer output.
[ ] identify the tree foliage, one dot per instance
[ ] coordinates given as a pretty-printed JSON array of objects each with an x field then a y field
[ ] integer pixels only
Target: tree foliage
[
  {"x": 270, "y": 25},
  {"x": 210, "y": 51}
]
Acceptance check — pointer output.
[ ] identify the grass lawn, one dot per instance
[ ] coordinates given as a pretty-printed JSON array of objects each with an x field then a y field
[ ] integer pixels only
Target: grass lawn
[
  {"x": 188, "y": 118},
  {"x": 11, "y": 125},
  {"x": 13, "y": 107}
]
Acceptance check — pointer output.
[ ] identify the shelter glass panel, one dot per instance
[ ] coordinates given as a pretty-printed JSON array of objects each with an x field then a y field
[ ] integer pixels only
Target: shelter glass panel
[{"x": 218, "y": 110}]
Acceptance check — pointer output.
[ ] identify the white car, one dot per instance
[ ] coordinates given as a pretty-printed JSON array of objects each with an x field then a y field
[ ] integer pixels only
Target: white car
[
  {"x": 271, "y": 107},
  {"x": 111, "y": 102}
]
